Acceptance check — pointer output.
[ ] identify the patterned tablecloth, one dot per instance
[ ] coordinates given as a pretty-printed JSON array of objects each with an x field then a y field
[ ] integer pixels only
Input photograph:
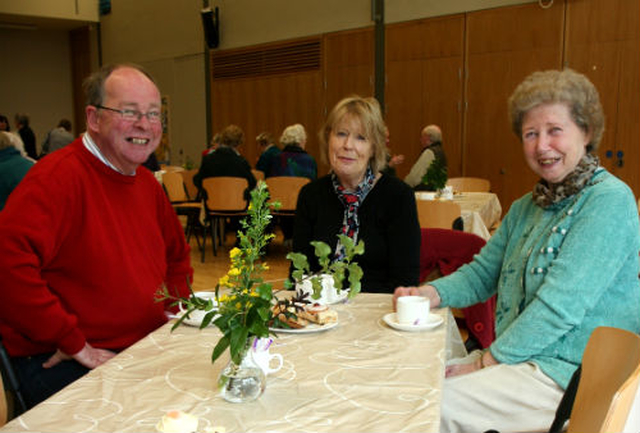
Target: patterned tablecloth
[{"x": 361, "y": 376}]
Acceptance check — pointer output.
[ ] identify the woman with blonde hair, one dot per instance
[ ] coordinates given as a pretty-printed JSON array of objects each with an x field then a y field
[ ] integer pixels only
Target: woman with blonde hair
[
  {"x": 563, "y": 262},
  {"x": 357, "y": 200}
]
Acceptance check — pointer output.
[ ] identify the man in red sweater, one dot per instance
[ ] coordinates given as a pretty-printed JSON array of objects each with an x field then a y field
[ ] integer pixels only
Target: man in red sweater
[{"x": 87, "y": 239}]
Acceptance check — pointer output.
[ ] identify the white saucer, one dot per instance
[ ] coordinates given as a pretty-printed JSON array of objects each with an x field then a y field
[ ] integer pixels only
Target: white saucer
[{"x": 432, "y": 322}]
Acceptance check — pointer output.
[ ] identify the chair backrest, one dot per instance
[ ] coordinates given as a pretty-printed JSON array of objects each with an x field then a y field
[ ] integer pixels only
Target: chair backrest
[
  {"x": 9, "y": 386},
  {"x": 285, "y": 189},
  {"x": 469, "y": 184},
  {"x": 225, "y": 194},
  {"x": 608, "y": 383},
  {"x": 4, "y": 414},
  {"x": 174, "y": 186},
  {"x": 258, "y": 174},
  {"x": 187, "y": 177},
  {"x": 438, "y": 214}
]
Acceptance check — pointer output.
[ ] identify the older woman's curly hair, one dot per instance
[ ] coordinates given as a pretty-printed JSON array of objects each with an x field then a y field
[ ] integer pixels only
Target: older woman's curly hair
[
  {"x": 293, "y": 135},
  {"x": 566, "y": 87},
  {"x": 232, "y": 136},
  {"x": 367, "y": 111}
]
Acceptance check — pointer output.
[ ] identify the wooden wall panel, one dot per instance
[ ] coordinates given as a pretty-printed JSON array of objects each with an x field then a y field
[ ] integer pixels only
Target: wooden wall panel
[
  {"x": 424, "y": 86},
  {"x": 603, "y": 42},
  {"x": 504, "y": 46}
]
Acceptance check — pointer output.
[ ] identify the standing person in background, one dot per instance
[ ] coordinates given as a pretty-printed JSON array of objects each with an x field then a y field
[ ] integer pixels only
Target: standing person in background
[
  {"x": 13, "y": 167},
  {"x": 359, "y": 201},
  {"x": 88, "y": 238},
  {"x": 269, "y": 153},
  {"x": 26, "y": 135},
  {"x": 294, "y": 160},
  {"x": 57, "y": 138},
  {"x": 431, "y": 139},
  {"x": 563, "y": 262}
]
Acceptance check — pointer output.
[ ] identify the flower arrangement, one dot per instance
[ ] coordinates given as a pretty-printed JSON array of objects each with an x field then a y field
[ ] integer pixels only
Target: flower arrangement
[{"x": 246, "y": 309}]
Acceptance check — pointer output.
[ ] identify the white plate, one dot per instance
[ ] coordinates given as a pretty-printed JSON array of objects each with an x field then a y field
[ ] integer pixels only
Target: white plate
[
  {"x": 433, "y": 321},
  {"x": 309, "y": 329},
  {"x": 192, "y": 320}
]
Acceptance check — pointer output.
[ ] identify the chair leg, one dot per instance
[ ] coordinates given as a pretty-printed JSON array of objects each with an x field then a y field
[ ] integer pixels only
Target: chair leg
[
  {"x": 214, "y": 234},
  {"x": 204, "y": 238}
]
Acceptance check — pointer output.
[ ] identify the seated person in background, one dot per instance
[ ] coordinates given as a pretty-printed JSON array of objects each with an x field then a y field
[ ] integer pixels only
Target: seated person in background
[
  {"x": 269, "y": 152},
  {"x": 563, "y": 262},
  {"x": 88, "y": 237},
  {"x": 431, "y": 139},
  {"x": 13, "y": 167},
  {"x": 26, "y": 135},
  {"x": 392, "y": 160},
  {"x": 4, "y": 123},
  {"x": 57, "y": 138},
  {"x": 356, "y": 200},
  {"x": 226, "y": 160},
  {"x": 212, "y": 146},
  {"x": 294, "y": 160}
]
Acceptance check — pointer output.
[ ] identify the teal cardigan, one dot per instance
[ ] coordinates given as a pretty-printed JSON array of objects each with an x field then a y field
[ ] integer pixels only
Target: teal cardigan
[{"x": 559, "y": 273}]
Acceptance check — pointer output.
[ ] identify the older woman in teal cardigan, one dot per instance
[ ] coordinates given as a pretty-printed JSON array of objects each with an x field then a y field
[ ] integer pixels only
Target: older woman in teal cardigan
[{"x": 563, "y": 262}]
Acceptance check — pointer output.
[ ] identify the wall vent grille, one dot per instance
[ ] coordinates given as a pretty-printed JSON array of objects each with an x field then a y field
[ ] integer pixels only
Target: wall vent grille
[{"x": 281, "y": 59}]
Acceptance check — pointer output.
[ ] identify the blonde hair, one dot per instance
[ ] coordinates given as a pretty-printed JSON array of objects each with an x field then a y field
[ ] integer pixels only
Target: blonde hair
[
  {"x": 5, "y": 140},
  {"x": 566, "y": 87},
  {"x": 367, "y": 112},
  {"x": 232, "y": 136}
]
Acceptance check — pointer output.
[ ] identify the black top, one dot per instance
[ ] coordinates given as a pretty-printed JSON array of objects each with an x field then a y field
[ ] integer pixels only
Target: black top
[
  {"x": 224, "y": 162},
  {"x": 388, "y": 226},
  {"x": 29, "y": 140}
]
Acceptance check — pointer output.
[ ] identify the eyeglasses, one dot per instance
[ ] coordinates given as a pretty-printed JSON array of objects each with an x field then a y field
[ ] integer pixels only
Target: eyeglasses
[{"x": 130, "y": 115}]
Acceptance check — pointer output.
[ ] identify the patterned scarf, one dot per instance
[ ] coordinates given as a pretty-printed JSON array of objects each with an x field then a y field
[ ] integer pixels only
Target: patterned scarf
[
  {"x": 545, "y": 194},
  {"x": 351, "y": 200}
]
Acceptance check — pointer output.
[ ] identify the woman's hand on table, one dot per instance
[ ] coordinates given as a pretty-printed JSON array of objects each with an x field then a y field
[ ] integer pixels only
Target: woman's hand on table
[
  {"x": 88, "y": 356},
  {"x": 428, "y": 291},
  {"x": 485, "y": 360}
]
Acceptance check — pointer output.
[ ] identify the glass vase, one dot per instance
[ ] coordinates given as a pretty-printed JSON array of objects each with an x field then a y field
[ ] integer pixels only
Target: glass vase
[{"x": 244, "y": 382}]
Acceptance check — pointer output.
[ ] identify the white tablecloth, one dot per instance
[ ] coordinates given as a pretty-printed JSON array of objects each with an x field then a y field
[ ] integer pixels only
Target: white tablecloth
[{"x": 361, "y": 376}]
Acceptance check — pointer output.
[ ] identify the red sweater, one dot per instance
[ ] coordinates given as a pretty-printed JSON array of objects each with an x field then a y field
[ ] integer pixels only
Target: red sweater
[{"x": 83, "y": 249}]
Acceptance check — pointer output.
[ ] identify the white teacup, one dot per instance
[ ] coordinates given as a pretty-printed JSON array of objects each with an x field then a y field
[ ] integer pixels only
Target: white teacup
[
  {"x": 412, "y": 310},
  {"x": 328, "y": 296},
  {"x": 262, "y": 357},
  {"x": 196, "y": 316}
]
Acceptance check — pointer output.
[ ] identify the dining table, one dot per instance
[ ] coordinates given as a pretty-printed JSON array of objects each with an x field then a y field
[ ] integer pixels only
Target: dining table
[
  {"x": 361, "y": 375},
  {"x": 479, "y": 210}
]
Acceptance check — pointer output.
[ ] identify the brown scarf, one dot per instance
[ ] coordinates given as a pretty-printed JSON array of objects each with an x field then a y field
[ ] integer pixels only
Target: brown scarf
[{"x": 546, "y": 194}]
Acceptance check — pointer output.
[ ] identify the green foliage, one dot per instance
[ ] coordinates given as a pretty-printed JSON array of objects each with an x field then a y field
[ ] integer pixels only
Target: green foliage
[
  {"x": 337, "y": 269},
  {"x": 436, "y": 176},
  {"x": 245, "y": 310}
]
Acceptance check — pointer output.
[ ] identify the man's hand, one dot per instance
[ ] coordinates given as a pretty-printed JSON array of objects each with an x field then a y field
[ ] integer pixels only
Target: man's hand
[
  {"x": 88, "y": 356},
  {"x": 427, "y": 291}
]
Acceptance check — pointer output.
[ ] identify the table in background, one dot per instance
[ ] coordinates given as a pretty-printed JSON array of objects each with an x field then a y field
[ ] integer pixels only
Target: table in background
[
  {"x": 361, "y": 376},
  {"x": 480, "y": 210}
]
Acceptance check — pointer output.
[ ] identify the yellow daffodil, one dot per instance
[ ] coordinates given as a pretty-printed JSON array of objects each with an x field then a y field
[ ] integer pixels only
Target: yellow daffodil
[
  {"x": 233, "y": 272},
  {"x": 235, "y": 252},
  {"x": 224, "y": 281}
]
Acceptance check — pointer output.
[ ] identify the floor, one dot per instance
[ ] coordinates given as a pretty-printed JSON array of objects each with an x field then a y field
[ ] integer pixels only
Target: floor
[{"x": 206, "y": 275}]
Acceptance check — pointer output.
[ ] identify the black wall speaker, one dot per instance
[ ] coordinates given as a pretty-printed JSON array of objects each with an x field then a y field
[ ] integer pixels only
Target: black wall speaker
[{"x": 211, "y": 26}]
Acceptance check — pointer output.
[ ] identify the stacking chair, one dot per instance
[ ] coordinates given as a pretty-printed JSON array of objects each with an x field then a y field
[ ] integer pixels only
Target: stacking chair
[
  {"x": 174, "y": 185},
  {"x": 469, "y": 184},
  {"x": 285, "y": 189},
  {"x": 437, "y": 214},
  {"x": 13, "y": 403},
  {"x": 224, "y": 197},
  {"x": 608, "y": 382},
  {"x": 258, "y": 174},
  {"x": 192, "y": 189}
]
